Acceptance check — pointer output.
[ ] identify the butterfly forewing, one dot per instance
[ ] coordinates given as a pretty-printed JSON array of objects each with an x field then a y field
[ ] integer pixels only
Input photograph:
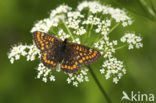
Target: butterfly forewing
[
  {"x": 44, "y": 41},
  {"x": 77, "y": 55}
]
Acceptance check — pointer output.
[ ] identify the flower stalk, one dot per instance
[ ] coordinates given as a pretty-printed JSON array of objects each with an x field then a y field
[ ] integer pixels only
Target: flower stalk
[
  {"x": 68, "y": 30},
  {"x": 113, "y": 28},
  {"x": 149, "y": 10},
  {"x": 99, "y": 85}
]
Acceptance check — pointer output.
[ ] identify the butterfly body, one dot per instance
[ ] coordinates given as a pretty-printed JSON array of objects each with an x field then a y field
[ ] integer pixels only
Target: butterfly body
[
  {"x": 62, "y": 50},
  {"x": 70, "y": 55}
]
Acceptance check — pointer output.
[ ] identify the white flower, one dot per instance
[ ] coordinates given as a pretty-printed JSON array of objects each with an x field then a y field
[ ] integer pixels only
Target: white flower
[
  {"x": 77, "y": 40},
  {"x": 77, "y": 78},
  {"x": 12, "y": 60},
  {"x": 75, "y": 83},
  {"x": 45, "y": 73},
  {"x": 93, "y": 6},
  {"x": 63, "y": 35},
  {"x": 120, "y": 75},
  {"x": 102, "y": 71},
  {"x": 115, "y": 80},
  {"x": 44, "y": 79},
  {"x": 116, "y": 13},
  {"x": 52, "y": 78},
  {"x": 73, "y": 23},
  {"x": 92, "y": 20},
  {"x": 113, "y": 67},
  {"x": 80, "y": 31},
  {"x": 59, "y": 10},
  {"x": 132, "y": 40},
  {"x": 68, "y": 80},
  {"x": 74, "y": 15},
  {"x": 30, "y": 51},
  {"x": 103, "y": 27},
  {"x": 45, "y": 24},
  {"x": 86, "y": 78},
  {"x": 106, "y": 47}
]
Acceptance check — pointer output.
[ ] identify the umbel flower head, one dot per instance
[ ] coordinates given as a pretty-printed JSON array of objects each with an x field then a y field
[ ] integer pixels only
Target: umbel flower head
[{"x": 90, "y": 24}]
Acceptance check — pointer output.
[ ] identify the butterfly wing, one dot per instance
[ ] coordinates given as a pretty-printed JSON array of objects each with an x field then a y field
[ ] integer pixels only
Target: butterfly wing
[
  {"x": 50, "y": 47},
  {"x": 44, "y": 41},
  {"x": 49, "y": 58},
  {"x": 76, "y": 55}
]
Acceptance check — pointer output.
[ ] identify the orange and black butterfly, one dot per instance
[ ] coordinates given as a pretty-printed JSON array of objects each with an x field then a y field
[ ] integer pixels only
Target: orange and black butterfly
[{"x": 71, "y": 55}]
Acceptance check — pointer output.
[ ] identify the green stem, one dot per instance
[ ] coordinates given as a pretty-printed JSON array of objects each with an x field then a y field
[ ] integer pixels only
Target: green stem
[
  {"x": 99, "y": 85},
  {"x": 149, "y": 11},
  {"x": 120, "y": 47},
  {"x": 68, "y": 30},
  {"x": 91, "y": 27},
  {"x": 153, "y": 8},
  {"x": 114, "y": 27},
  {"x": 87, "y": 18},
  {"x": 51, "y": 30},
  {"x": 86, "y": 35}
]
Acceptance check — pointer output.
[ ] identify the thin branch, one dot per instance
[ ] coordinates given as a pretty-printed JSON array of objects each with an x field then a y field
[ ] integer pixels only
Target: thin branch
[
  {"x": 87, "y": 26},
  {"x": 149, "y": 11},
  {"x": 99, "y": 85},
  {"x": 91, "y": 27},
  {"x": 135, "y": 11},
  {"x": 120, "y": 47},
  {"x": 68, "y": 30},
  {"x": 152, "y": 6},
  {"x": 114, "y": 27}
]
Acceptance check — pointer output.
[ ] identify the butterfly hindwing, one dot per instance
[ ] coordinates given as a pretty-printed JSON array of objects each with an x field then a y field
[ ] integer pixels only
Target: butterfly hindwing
[
  {"x": 76, "y": 55},
  {"x": 70, "y": 63},
  {"x": 49, "y": 58}
]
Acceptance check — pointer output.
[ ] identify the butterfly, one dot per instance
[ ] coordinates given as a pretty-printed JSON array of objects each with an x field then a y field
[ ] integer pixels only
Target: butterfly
[{"x": 70, "y": 55}]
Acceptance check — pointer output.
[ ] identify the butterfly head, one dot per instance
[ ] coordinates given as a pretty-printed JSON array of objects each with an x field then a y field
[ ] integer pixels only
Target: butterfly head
[
  {"x": 65, "y": 40},
  {"x": 63, "y": 47},
  {"x": 64, "y": 43}
]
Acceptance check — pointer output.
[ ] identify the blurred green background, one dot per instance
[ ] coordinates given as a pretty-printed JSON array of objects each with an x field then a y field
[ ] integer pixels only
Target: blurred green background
[{"x": 18, "y": 83}]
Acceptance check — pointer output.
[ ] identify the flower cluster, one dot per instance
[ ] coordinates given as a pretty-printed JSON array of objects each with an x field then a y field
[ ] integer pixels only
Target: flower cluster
[
  {"x": 115, "y": 13},
  {"x": 30, "y": 51},
  {"x": 89, "y": 24},
  {"x": 45, "y": 72},
  {"x": 45, "y": 24},
  {"x": 132, "y": 40},
  {"x": 78, "y": 78},
  {"x": 62, "y": 34},
  {"x": 113, "y": 67},
  {"x": 103, "y": 27}
]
